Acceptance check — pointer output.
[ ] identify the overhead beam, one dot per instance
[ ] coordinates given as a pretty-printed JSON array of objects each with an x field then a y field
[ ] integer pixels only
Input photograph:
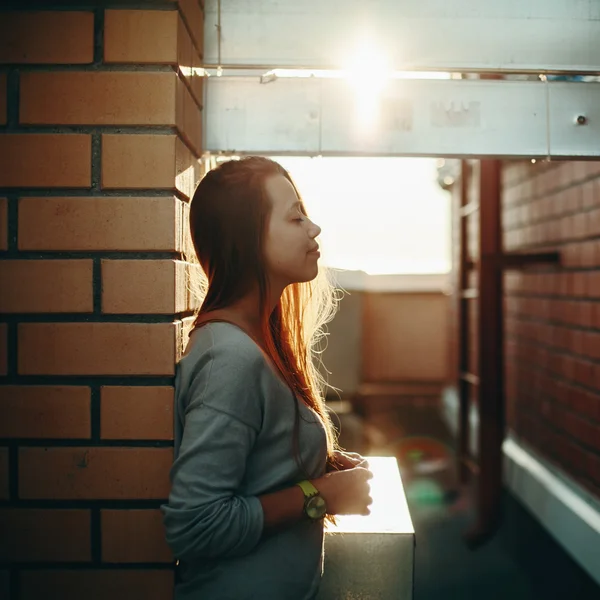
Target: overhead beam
[
  {"x": 538, "y": 36},
  {"x": 449, "y": 118}
]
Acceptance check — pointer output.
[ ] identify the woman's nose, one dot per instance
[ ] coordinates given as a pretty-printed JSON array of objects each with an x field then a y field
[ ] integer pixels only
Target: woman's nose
[{"x": 315, "y": 230}]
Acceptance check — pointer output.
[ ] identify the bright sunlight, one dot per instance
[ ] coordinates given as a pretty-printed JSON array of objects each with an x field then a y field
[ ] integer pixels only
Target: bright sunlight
[{"x": 378, "y": 215}]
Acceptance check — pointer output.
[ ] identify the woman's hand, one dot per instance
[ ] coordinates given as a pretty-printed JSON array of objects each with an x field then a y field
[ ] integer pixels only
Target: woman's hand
[
  {"x": 346, "y": 492},
  {"x": 343, "y": 461}
]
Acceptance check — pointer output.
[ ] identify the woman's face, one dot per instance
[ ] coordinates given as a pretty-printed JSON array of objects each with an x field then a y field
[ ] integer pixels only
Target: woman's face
[{"x": 291, "y": 250}]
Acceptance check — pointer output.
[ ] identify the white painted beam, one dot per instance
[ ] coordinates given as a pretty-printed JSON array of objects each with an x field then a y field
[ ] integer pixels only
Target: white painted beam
[
  {"x": 449, "y": 118},
  {"x": 442, "y": 35}
]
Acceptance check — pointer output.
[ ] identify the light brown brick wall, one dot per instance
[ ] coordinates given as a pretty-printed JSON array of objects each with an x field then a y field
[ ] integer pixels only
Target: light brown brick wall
[
  {"x": 553, "y": 314},
  {"x": 100, "y": 141}
]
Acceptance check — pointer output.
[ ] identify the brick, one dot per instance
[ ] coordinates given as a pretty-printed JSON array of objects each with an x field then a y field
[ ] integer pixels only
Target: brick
[
  {"x": 148, "y": 161},
  {"x": 45, "y": 160},
  {"x": 186, "y": 245},
  {"x": 189, "y": 118},
  {"x": 52, "y": 37},
  {"x": 3, "y": 98},
  {"x": 47, "y": 286},
  {"x": 194, "y": 19},
  {"x": 3, "y": 224},
  {"x": 98, "y": 98},
  {"x": 198, "y": 78},
  {"x": 138, "y": 161},
  {"x": 566, "y": 173},
  {"x": 136, "y": 412},
  {"x": 587, "y": 194},
  {"x": 144, "y": 287},
  {"x": 4, "y": 474},
  {"x": 190, "y": 290},
  {"x": 586, "y": 168},
  {"x": 3, "y": 349},
  {"x": 184, "y": 328},
  {"x": 188, "y": 170},
  {"x": 597, "y": 253},
  {"x": 595, "y": 195},
  {"x": 44, "y": 535},
  {"x": 120, "y": 224},
  {"x": 593, "y": 222},
  {"x": 185, "y": 48},
  {"x": 595, "y": 316},
  {"x": 140, "y": 36},
  {"x": 96, "y": 348},
  {"x": 134, "y": 536},
  {"x": 104, "y": 584},
  {"x": 591, "y": 344},
  {"x": 94, "y": 473},
  {"x": 39, "y": 411},
  {"x": 592, "y": 284}
]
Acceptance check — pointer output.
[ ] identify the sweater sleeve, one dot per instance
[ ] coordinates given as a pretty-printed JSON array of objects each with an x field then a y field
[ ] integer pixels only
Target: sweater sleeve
[{"x": 205, "y": 515}]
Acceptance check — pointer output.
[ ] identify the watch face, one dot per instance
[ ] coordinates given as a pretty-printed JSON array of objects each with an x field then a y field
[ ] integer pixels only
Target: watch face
[{"x": 316, "y": 507}]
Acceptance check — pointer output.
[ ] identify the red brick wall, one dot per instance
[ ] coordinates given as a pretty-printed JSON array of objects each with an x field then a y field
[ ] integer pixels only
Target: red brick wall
[
  {"x": 100, "y": 134},
  {"x": 553, "y": 314}
]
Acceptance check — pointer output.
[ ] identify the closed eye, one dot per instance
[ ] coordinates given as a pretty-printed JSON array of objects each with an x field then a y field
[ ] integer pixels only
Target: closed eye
[{"x": 298, "y": 209}]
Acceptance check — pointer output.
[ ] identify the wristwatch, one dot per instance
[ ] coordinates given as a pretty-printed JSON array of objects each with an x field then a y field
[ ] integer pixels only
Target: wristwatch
[{"x": 315, "y": 507}]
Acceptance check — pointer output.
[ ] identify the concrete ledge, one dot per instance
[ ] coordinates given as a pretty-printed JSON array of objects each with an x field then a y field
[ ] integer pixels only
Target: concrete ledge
[
  {"x": 373, "y": 556},
  {"x": 359, "y": 281},
  {"x": 567, "y": 511}
]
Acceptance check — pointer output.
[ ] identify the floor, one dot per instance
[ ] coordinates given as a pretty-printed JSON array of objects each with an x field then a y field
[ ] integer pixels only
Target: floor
[{"x": 442, "y": 512}]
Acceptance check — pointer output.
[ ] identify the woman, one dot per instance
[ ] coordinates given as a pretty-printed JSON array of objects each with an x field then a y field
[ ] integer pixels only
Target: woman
[{"x": 257, "y": 469}]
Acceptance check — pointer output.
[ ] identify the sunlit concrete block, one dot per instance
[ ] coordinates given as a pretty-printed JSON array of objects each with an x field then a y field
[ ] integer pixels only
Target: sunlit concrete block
[{"x": 372, "y": 557}]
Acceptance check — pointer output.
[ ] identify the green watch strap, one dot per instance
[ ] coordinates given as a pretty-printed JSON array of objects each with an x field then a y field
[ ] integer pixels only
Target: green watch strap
[{"x": 308, "y": 488}]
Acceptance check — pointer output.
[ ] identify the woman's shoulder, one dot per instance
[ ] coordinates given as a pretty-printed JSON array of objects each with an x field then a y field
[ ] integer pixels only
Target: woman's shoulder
[
  {"x": 222, "y": 370},
  {"x": 225, "y": 343}
]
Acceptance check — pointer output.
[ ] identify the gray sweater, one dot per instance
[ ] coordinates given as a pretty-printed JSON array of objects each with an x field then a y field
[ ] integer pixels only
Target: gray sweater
[{"x": 234, "y": 420}]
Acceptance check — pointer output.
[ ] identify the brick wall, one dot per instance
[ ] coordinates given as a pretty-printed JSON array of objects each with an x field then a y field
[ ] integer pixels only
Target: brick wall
[
  {"x": 553, "y": 314},
  {"x": 100, "y": 135}
]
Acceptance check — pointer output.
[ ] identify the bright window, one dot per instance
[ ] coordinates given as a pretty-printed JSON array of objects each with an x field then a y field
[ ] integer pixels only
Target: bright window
[{"x": 378, "y": 215}]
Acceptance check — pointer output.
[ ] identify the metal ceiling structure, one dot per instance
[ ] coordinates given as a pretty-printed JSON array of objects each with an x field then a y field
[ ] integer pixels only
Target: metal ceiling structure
[
  {"x": 448, "y": 118},
  {"x": 413, "y": 117},
  {"x": 535, "y": 36}
]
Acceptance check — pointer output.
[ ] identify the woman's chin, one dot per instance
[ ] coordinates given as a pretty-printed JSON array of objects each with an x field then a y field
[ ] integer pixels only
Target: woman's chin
[
  {"x": 314, "y": 273},
  {"x": 308, "y": 276}
]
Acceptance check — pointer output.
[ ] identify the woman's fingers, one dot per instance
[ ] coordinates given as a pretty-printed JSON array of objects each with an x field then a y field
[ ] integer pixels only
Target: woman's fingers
[
  {"x": 349, "y": 460},
  {"x": 358, "y": 460},
  {"x": 353, "y": 456}
]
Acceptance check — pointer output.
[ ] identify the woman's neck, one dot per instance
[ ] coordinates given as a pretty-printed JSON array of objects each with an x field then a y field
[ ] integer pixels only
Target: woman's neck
[{"x": 245, "y": 313}]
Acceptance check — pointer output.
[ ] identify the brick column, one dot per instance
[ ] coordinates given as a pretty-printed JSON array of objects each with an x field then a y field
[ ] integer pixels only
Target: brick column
[{"x": 100, "y": 139}]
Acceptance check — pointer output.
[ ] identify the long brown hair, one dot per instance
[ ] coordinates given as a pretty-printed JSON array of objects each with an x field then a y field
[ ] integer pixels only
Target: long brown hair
[{"x": 228, "y": 217}]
